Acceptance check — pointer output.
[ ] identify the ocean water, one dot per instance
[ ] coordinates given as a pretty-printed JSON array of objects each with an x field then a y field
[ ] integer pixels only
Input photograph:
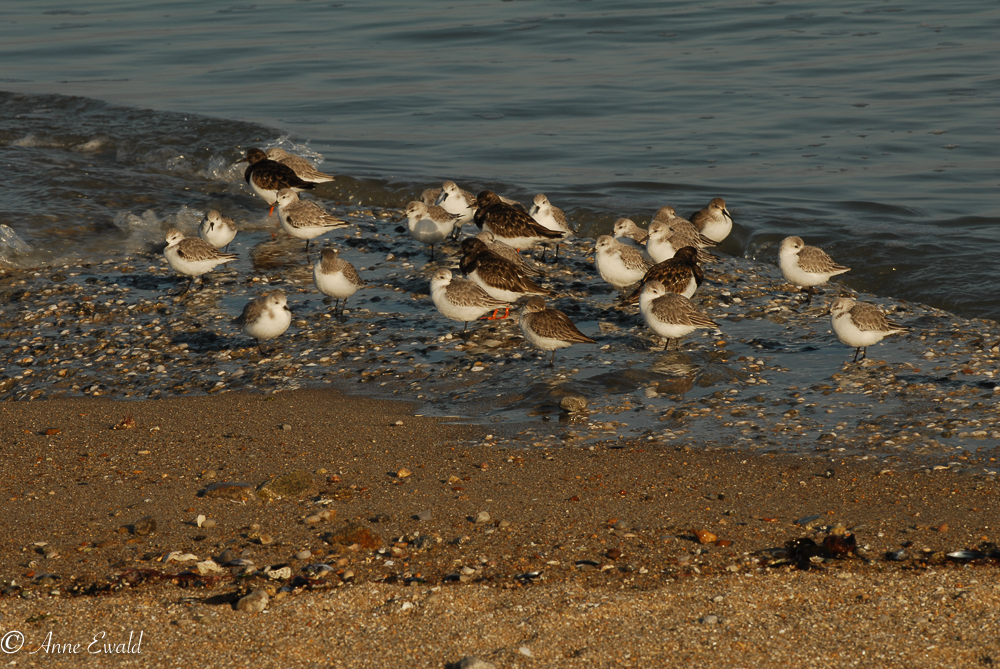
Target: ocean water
[{"x": 867, "y": 128}]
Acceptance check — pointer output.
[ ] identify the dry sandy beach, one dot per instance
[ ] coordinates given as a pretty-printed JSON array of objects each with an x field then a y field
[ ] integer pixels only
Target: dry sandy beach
[{"x": 429, "y": 542}]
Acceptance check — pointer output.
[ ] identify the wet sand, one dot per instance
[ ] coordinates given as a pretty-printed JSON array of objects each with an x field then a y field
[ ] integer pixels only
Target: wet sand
[{"x": 589, "y": 556}]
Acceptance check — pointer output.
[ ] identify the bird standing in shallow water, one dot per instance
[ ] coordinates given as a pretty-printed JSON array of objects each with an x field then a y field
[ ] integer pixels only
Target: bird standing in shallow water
[
  {"x": 192, "y": 256},
  {"x": 806, "y": 266},
  {"x": 549, "y": 329},
  {"x": 267, "y": 176},
  {"x": 670, "y": 315},
  {"x": 265, "y": 317},
  {"x": 861, "y": 324},
  {"x": 336, "y": 278}
]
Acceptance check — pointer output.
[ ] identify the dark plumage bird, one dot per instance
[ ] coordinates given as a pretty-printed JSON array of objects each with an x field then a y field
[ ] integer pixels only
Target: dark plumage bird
[
  {"x": 497, "y": 276},
  {"x": 268, "y": 176},
  {"x": 511, "y": 225},
  {"x": 681, "y": 274}
]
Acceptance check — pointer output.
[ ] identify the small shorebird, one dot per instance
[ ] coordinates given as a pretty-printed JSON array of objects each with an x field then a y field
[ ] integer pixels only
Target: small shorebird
[
  {"x": 861, "y": 324},
  {"x": 463, "y": 300},
  {"x": 192, "y": 256},
  {"x": 497, "y": 276},
  {"x": 429, "y": 224},
  {"x": 549, "y": 329},
  {"x": 619, "y": 264},
  {"x": 670, "y": 315},
  {"x": 217, "y": 230},
  {"x": 510, "y": 224},
  {"x": 265, "y": 317},
  {"x": 304, "y": 219},
  {"x": 509, "y": 253},
  {"x": 336, "y": 278},
  {"x": 806, "y": 266},
  {"x": 681, "y": 274},
  {"x": 267, "y": 176},
  {"x": 303, "y": 169},
  {"x": 457, "y": 201},
  {"x": 627, "y": 232},
  {"x": 551, "y": 217},
  {"x": 714, "y": 220}
]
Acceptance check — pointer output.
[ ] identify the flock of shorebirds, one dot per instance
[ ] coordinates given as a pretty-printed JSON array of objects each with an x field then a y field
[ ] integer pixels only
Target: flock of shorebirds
[{"x": 660, "y": 268}]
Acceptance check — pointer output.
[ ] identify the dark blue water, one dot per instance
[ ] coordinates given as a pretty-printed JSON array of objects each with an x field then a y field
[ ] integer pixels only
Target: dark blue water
[{"x": 867, "y": 128}]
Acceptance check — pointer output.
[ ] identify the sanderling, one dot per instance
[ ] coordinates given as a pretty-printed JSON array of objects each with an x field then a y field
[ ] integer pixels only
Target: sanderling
[
  {"x": 463, "y": 300},
  {"x": 670, "y": 315},
  {"x": 511, "y": 225},
  {"x": 551, "y": 217},
  {"x": 619, "y": 264},
  {"x": 861, "y": 324},
  {"x": 714, "y": 220},
  {"x": 303, "y": 168},
  {"x": 430, "y": 196},
  {"x": 806, "y": 266},
  {"x": 336, "y": 278},
  {"x": 549, "y": 329},
  {"x": 681, "y": 274},
  {"x": 509, "y": 253},
  {"x": 457, "y": 201},
  {"x": 265, "y": 317},
  {"x": 498, "y": 277},
  {"x": 268, "y": 176},
  {"x": 429, "y": 224},
  {"x": 304, "y": 219},
  {"x": 192, "y": 256},
  {"x": 667, "y": 237},
  {"x": 627, "y": 232},
  {"x": 217, "y": 230}
]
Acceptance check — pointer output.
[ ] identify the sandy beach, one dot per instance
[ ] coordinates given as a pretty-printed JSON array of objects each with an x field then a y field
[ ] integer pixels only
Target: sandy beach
[{"x": 428, "y": 542}]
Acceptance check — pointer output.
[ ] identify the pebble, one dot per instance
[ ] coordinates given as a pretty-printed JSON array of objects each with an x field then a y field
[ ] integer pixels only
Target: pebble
[
  {"x": 145, "y": 526},
  {"x": 424, "y": 515},
  {"x": 255, "y": 602},
  {"x": 303, "y": 555},
  {"x": 710, "y": 620},
  {"x": 208, "y": 523},
  {"x": 482, "y": 517}
]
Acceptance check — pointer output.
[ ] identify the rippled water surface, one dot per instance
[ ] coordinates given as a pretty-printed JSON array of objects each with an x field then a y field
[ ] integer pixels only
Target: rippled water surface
[{"x": 868, "y": 128}]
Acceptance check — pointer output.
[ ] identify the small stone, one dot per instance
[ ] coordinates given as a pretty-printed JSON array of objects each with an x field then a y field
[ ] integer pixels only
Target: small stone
[
  {"x": 286, "y": 427},
  {"x": 145, "y": 526},
  {"x": 943, "y": 527},
  {"x": 504, "y": 524},
  {"x": 710, "y": 620},
  {"x": 208, "y": 523},
  {"x": 303, "y": 555},
  {"x": 622, "y": 526},
  {"x": 353, "y": 533},
  {"x": 313, "y": 520},
  {"x": 227, "y": 555},
  {"x": 265, "y": 539},
  {"x": 524, "y": 650},
  {"x": 573, "y": 403},
  {"x": 614, "y": 553},
  {"x": 482, "y": 517},
  {"x": 424, "y": 515},
  {"x": 255, "y": 602},
  {"x": 199, "y": 520},
  {"x": 403, "y": 473},
  {"x": 705, "y": 537},
  {"x": 289, "y": 485}
]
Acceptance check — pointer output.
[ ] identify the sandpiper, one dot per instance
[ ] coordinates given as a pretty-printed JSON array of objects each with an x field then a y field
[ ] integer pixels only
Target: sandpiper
[
  {"x": 336, "y": 278},
  {"x": 267, "y": 176},
  {"x": 192, "y": 256},
  {"x": 861, "y": 324},
  {"x": 303, "y": 169},
  {"x": 509, "y": 253},
  {"x": 429, "y": 224},
  {"x": 463, "y": 300},
  {"x": 627, "y": 232},
  {"x": 217, "y": 230},
  {"x": 681, "y": 274},
  {"x": 806, "y": 266},
  {"x": 510, "y": 224},
  {"x": 619, "y": 264},
  {"x": 304, "y": 219},
  {"x": 549, "y": 329},
  {"x": 265, "y": 317},
  {"x": 498, "y": 277},
  {"x": 714, "y": 220},
  {"x": 551, "y": 217},
  {"x": 670, "y": 315}
]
